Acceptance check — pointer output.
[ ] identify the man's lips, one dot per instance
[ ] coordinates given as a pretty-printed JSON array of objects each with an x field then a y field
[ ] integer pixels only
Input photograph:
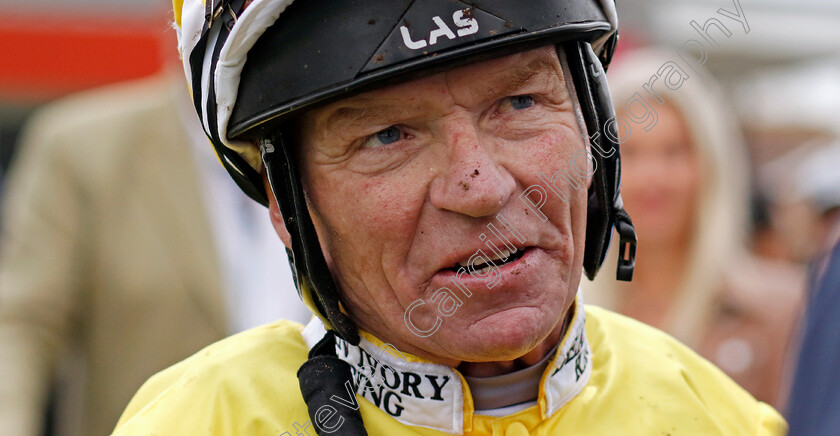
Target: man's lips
[
  {"x": 491, "y": 250},
  {"x": 512, "y": 271},
  {"x": 504, "y": 257}
]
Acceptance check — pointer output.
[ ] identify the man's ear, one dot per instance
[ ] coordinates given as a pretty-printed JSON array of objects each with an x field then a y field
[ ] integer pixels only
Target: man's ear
[{"x": 276, "y": 216}]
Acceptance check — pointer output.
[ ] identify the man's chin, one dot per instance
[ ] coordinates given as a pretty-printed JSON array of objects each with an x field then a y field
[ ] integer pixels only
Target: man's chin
[{"x": 504, "y": 335}]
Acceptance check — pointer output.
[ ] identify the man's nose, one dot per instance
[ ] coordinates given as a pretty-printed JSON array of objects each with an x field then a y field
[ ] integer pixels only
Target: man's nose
[{"x": 472, "y": 180}]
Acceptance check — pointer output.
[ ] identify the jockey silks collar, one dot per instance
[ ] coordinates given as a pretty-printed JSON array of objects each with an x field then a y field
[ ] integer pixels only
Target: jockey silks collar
[{"x": 418, "y": 392}]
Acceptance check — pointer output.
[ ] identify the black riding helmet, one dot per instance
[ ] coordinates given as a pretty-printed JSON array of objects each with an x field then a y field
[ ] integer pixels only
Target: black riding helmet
[{"x": 254, "y": 65}]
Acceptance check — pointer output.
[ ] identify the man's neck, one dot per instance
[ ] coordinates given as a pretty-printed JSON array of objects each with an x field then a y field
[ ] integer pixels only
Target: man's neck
[{"x": 490, "y": 369}]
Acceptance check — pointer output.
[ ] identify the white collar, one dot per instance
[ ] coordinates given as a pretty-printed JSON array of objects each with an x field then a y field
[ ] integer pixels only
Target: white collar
[{"x": 417, "y": 392}]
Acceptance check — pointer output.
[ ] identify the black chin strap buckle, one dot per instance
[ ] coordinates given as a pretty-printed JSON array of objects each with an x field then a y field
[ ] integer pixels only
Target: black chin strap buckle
[{"x": 626, "y": 246}]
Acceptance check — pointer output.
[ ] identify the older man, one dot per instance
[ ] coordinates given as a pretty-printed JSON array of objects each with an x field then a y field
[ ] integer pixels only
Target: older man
[{"x": 426, "y": 163}]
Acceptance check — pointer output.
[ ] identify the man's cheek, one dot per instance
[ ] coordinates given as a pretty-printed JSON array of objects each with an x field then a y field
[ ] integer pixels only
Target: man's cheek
[{"x": 568, "y": 183}]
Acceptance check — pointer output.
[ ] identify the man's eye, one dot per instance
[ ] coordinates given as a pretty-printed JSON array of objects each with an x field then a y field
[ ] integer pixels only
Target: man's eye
[
  {"x": 518, "y": 102},
  {"x": 383, "y": 137}
]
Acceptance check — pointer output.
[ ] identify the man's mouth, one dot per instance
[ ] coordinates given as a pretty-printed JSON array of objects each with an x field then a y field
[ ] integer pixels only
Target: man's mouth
[{"x": 502, "y": 258}]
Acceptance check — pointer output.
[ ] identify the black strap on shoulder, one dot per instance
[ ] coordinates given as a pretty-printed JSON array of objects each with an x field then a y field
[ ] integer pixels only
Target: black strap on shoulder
[{"x": 326, "y": 380}]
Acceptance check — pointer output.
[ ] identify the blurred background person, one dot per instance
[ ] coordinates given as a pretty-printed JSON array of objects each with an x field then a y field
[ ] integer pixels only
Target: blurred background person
[
  {"x": 686, "y": 184},
  {"x": 110, "y": 264},
  {"x": 814, "y": 190},
  {"x": 815, "y": 396},
  {"x": 780, "y": 68},
  {"x": 791, "y": 118}
]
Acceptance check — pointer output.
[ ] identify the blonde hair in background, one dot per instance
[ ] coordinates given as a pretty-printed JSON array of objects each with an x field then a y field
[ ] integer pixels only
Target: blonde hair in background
[{"x": 721, "y": 221}]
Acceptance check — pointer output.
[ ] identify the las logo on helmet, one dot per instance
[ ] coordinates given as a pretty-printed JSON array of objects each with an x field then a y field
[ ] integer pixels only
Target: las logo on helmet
[{"x": 466, "y": 26}]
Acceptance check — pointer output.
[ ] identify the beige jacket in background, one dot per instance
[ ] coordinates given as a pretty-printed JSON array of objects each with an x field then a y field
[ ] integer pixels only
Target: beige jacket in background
[{"x": 108, "y": 272}]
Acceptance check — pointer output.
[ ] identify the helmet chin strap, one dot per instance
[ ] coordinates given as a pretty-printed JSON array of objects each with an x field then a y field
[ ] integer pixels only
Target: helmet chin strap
[
  {"x": 307, "y": 259},
  {"x": 605, "y": 210},
  {"x": 323, "y": 375}
]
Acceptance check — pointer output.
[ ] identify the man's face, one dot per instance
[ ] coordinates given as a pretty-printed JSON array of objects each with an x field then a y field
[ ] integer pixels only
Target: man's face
[{"x": 403, "y": 182}]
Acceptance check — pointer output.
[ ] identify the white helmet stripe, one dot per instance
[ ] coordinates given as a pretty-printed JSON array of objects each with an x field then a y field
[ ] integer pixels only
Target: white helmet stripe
[
  {"x": 251, "y": 24},
  {"x": 206, "y": 68},
  {"x": 192, "y": 22}
]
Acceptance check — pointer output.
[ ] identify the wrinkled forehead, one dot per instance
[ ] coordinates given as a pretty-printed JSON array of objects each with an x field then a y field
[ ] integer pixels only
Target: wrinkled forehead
[{"x": 478, "y": 81}]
